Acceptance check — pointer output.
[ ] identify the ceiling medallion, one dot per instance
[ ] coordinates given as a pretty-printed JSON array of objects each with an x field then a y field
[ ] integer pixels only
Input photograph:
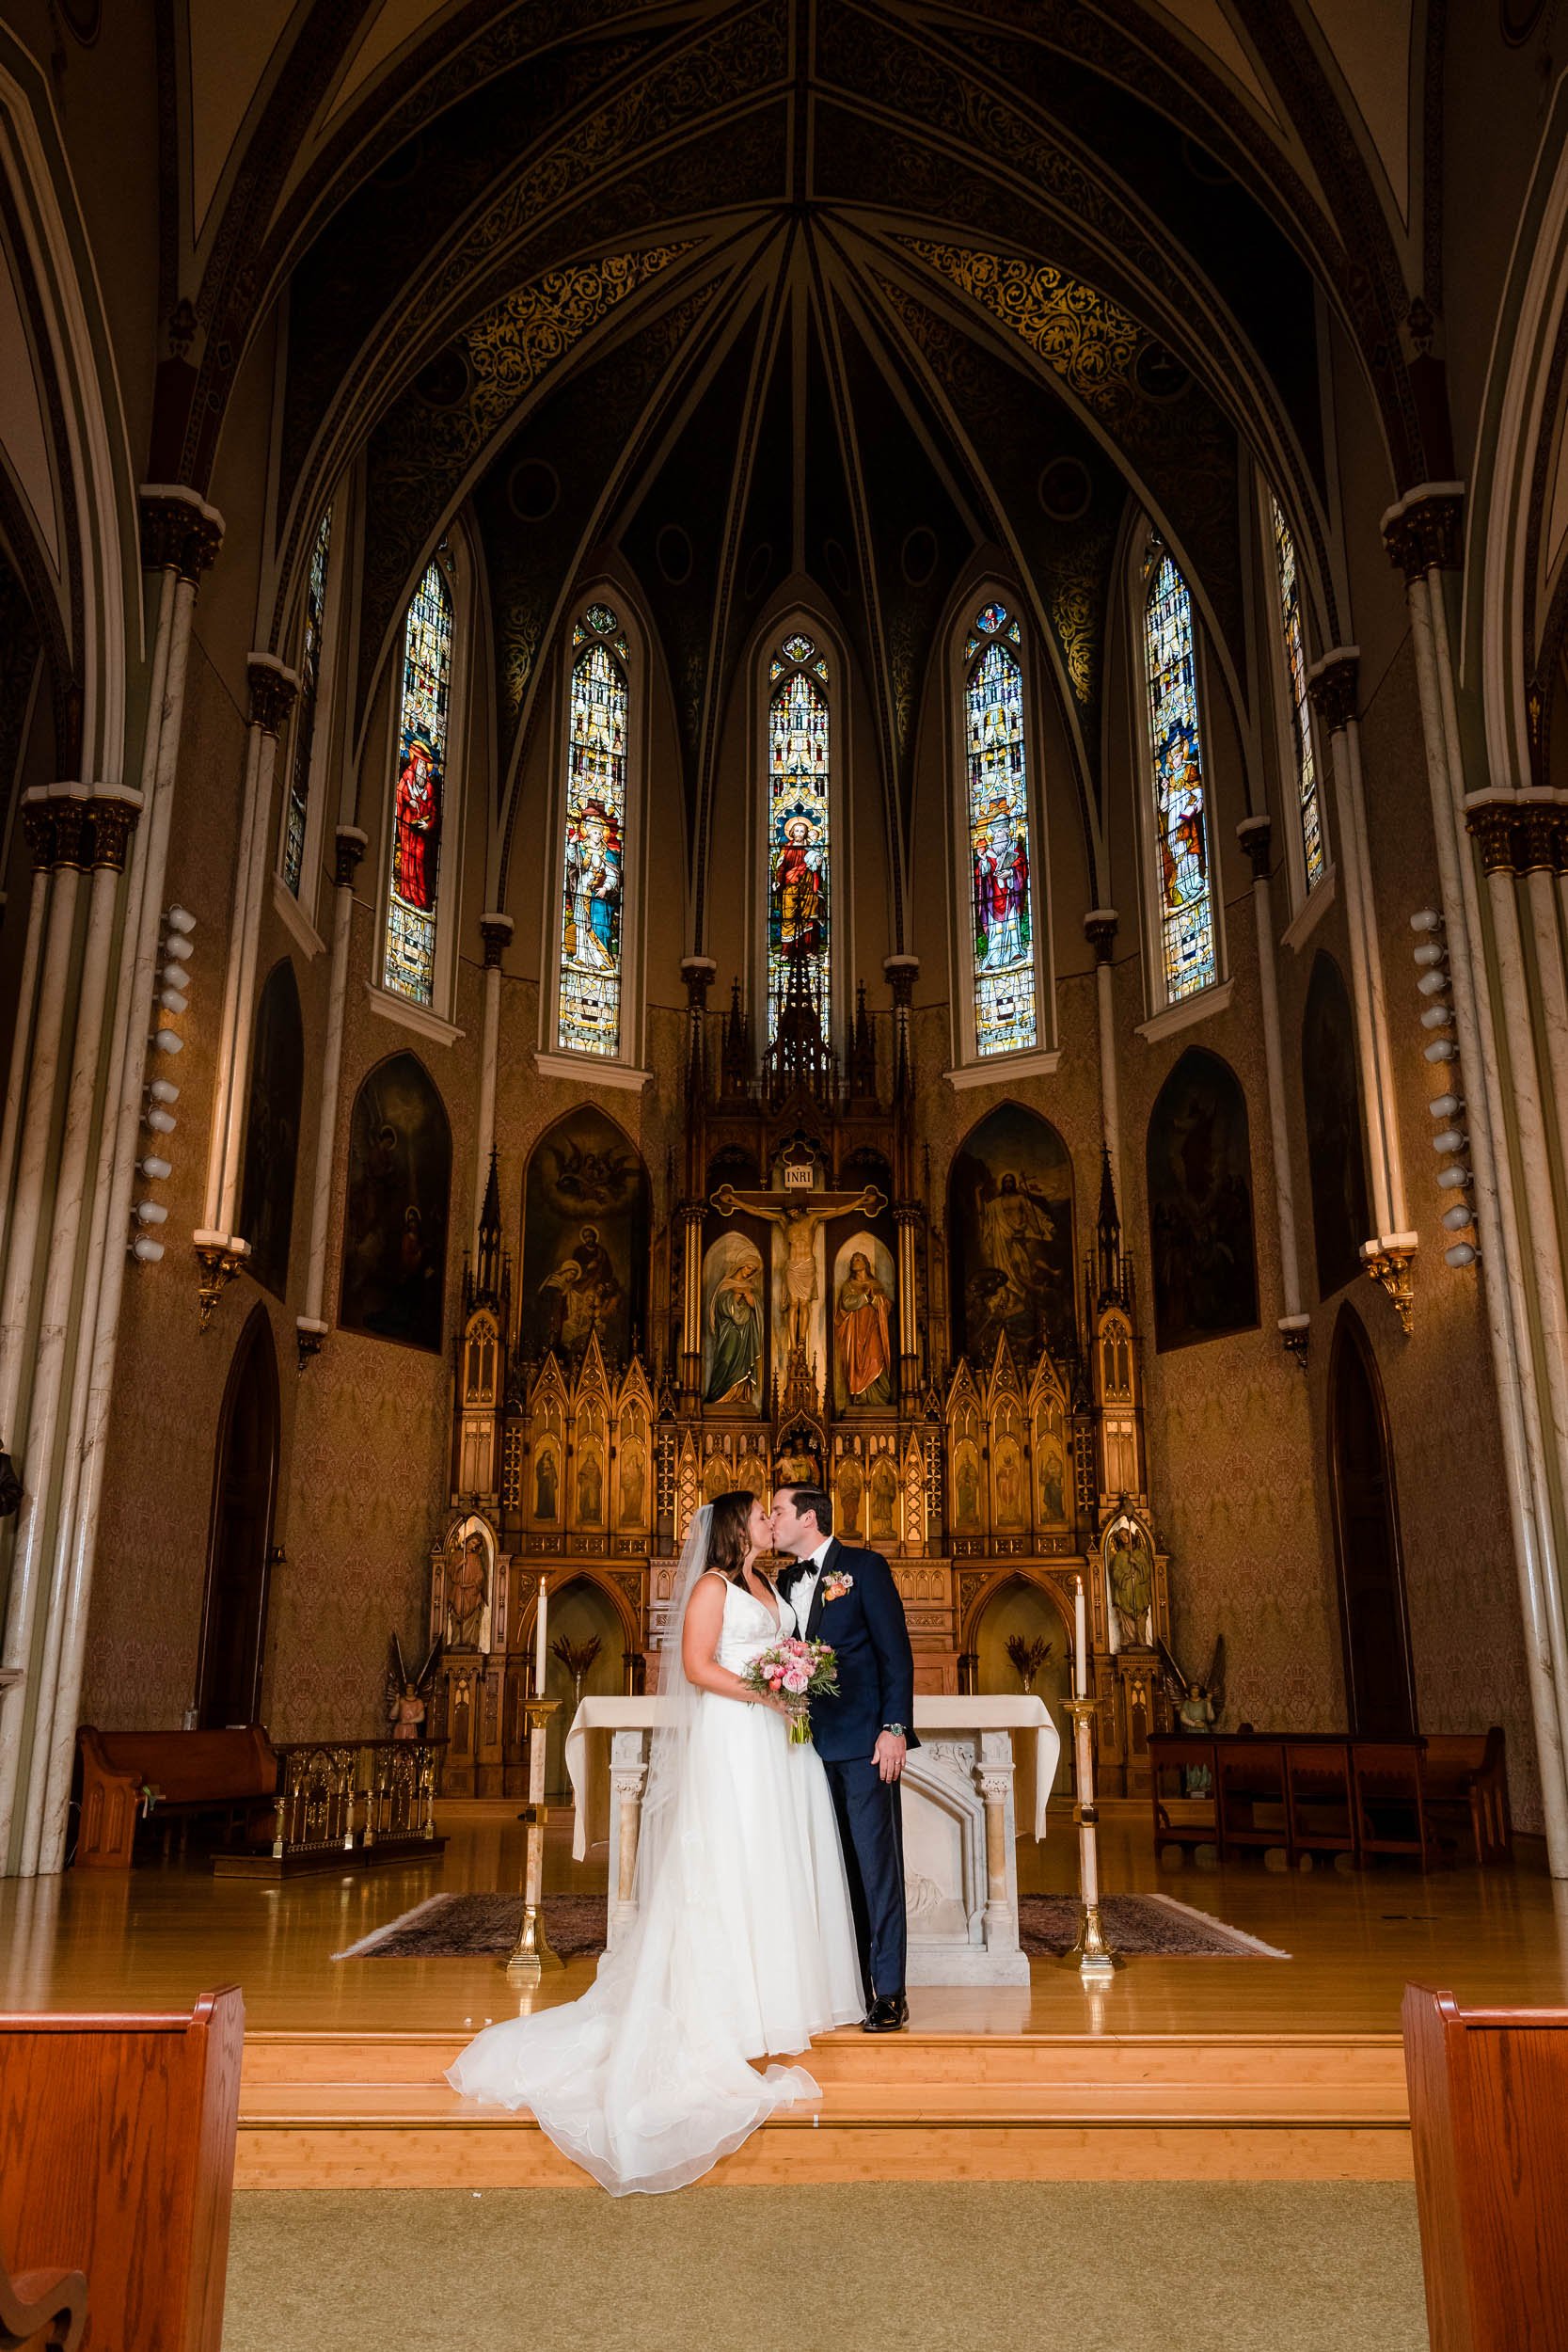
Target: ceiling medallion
[
  {"x": 444, "y": 384},
  {"x": 1158, "y": 375},
  {"x": 918, "y": 555},
  {"x": 533, "y": 490},
  {"x": 672, "y": 553},
  {"x": 1066, "y": 490}
]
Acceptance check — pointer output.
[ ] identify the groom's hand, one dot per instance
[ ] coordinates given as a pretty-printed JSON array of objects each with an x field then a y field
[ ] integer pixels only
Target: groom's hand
[{"x": 888, "y": 1755}]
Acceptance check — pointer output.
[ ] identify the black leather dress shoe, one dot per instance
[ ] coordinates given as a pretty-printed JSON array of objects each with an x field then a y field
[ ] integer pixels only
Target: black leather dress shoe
[{"x": 888, "y": 2013}]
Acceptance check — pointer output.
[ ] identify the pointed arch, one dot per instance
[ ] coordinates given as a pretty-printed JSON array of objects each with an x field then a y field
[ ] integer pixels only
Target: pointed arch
[
  {"x": 270, "y": 1154},
  {"x": 1374, "y": 1623},
  {"x": 233, "y": 1646}
]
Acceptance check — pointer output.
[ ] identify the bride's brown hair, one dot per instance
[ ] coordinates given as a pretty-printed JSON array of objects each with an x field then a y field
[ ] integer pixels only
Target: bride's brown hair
[{"x": 729, "y": 1532}]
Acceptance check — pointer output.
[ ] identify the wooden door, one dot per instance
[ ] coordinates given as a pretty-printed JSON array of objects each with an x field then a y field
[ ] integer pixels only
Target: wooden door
[
  {"x": 239, "y": 1544},
  {"x": 1380, "y": 1688}
]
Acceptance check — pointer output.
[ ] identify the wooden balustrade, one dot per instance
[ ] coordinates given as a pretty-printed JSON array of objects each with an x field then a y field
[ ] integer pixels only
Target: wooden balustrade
[
  {"x": 347, "y": 1801},
  {"x": 1322, "y": 1792},
  {"x": 117, "y": 2158},
  {"x": 1489, "y": 2123}
]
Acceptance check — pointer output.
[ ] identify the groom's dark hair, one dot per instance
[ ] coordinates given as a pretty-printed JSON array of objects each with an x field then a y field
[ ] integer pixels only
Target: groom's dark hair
[{"x": 818, "y": 1499}]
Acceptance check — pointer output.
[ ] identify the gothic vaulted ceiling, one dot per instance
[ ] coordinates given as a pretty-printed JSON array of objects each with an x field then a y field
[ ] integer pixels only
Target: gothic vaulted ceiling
[{"x": 749, "y": 289}]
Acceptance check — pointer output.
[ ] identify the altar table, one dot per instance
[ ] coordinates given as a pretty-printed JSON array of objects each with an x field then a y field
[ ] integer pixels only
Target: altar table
[{"x": 982, "y": 1765}]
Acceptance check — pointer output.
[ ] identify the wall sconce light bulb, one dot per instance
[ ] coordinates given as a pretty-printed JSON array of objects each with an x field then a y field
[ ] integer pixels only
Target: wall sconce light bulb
[
  {"x": 1452, "y": 1179},
  {"x": 1457, "y": 1219},
  {"x": 1462, "y": 1253},
  {"x": 146, "y": 1250},
  {"x": 162, "y": 1122},
  {"x": 1431, "y": 982},
  {"x": 1437, "y": 1017},
  {"x": 174, "y": 976},
  {"x": 1426, "y": 919},
  {"x": 170, "y": 1000},
  {"x": 151, "y": 1212},
  {"x": 180, "y": 920},
  {"x": 1452, "y": 1139},
  {"x": 1432, "y": 952},
  {"x": 167, "y": 1043},
  {"x": 163, "y": 1090},
  {"x": 1444, "y": 1050},
  {"x": 155, "y": 1169},
  {"x": 1445, "y": 1106},
  {"x": 181, "y": 946}
]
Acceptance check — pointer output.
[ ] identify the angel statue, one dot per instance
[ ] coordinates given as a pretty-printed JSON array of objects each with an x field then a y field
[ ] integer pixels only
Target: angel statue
[
  {"x": 406, "y": 1694},
  {"x": 1198, "y": 1707}
]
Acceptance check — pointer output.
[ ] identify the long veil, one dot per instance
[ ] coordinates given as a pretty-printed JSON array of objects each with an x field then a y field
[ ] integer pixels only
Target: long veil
[{"x": 644, "y": 2080}]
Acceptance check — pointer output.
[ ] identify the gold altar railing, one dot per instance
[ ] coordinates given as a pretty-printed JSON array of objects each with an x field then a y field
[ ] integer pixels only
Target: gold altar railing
[{"x": 350, "y": 1794}]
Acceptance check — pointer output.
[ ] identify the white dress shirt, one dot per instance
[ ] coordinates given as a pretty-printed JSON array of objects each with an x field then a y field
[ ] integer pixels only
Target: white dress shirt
[{"x": 802, "y": 1592}]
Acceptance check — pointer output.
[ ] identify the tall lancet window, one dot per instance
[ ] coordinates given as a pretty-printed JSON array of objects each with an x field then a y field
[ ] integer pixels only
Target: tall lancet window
[
  {"x": 588, "y": 1005},
  {"x": 1298, "y": 714},
  {"x": 297, "y": 813},
  {"x": 1184, "y": 894},
  {"x": 1000, "y": 850},
  {"x": 799, "y": 843},
  {"x": 409, "y": 967}
]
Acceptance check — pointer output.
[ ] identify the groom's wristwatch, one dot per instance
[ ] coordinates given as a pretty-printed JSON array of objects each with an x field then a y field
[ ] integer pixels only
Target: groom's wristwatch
[{"x": 896, "y": 1730}]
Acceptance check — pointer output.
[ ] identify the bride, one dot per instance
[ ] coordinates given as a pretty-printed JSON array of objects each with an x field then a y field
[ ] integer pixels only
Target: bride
[{"x": 743, "y": 1945}]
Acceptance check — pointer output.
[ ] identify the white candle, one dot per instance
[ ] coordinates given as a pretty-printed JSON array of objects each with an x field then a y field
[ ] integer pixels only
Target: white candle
[
  {"x": 1079, "y": 1643},
  {"x": 539, "y": 1639}
]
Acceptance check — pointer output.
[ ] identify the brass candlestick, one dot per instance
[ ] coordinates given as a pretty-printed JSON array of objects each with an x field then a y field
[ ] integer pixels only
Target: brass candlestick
[
  {"x": 1091, "y": 1955},
  {"x": 532, "y": 1954}
]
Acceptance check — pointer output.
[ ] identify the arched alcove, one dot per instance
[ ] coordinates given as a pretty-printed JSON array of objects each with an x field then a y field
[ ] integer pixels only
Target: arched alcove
[
  {"x": 239, "y": 1540},
  {"x": 396, "y": 1211},
  {"x": 272, "y": 1129},
  {"x": 1380, "y": 1684},
  {"x": 580, "y": 1612}
]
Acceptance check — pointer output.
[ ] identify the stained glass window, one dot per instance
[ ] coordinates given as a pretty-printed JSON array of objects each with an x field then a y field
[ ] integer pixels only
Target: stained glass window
[
  {"x": 1000, "y": 887},
  {"x": 1180, "y": 810},
  {"x": 1299, "y": 712},
  {"x": 298, "y": 809},
  {"x": 410, "y": 966},
  {"x": 800, "y": 874},
  {"x": 588, "y": 1015}
]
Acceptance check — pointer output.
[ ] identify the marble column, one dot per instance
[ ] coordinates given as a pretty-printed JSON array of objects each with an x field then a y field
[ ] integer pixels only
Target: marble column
[
  {"x": 181, "y": 536},
  {"x": 311, "y": 1325},
  {"x": 54, "y": 820},
  {"x": 1424, "y": 538},
  {"x": 1332, "y": 683},
  {"x": 272, "y": 691},
  {"x": 496, "y": 932},
  {"x": 1256, "y": 835},
  {"x": 901, "y": 973},
  {"x": 698, "y": 973},
  {"x": 21, "y": 1039},
  {"x": 1100, "y": 930},
  {"x": 100, "y": 843}
]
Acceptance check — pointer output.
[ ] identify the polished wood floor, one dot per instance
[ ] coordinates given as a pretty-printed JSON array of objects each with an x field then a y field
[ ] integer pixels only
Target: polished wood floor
[{"x": 1243, "y": 2069}]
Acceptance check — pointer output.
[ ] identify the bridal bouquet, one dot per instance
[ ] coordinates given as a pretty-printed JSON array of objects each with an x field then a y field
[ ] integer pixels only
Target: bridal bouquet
[{"x": 797, "y": 1672}]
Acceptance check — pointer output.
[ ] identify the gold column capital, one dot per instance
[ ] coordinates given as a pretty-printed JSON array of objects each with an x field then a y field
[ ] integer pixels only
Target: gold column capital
[
  {"x": 1423, "y": 531},
  {"x": 1334, "y": 684},
  {"x": 272, "y": 687},
  {"x": 180, "y": 531},
  {"x": 349, "y": 847}
]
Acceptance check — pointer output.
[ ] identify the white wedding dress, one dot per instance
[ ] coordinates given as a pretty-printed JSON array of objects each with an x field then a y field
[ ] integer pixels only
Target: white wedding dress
[{"x": 743, "y": 1948}]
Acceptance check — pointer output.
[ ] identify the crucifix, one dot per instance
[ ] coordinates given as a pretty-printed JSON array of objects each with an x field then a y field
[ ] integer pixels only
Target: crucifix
[{"x": 800, "y": 1214}]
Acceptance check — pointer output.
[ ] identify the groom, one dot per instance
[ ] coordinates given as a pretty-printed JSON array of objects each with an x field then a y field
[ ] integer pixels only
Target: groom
[{"x": 848, "y": 1598}]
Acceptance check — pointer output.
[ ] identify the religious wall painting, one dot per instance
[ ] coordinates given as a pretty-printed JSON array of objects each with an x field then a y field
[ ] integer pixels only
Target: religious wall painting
[
  {"x": 271, "y": 1153},
  {"x": 546, "y": 1483},
  {"x": 735, "y": 1326},
  {"x": 1336, "y": 1160},
  {"x": 1127, "y": 1559},
  {"x": 1010, "y": 1495},
  {"x": 883, "y": 1490},
  {"x": 1201, "y": 1255},
  {"x": 966, "y": 1487},
  {"x": 585, "y": 1239},
  {"x": 633, "y": 1460},
  {"x": 396, "y": 1210},
  {"x": 1011, "y": 1238},
  {"x": 864, "y": 1293},
  {"x": 1048, "y": 1459}
]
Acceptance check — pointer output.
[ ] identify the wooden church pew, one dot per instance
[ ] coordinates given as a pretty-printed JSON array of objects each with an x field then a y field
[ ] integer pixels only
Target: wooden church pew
[
  {"x": 117, "y": 2156},
  {"x": 1489, "y": 2123}
]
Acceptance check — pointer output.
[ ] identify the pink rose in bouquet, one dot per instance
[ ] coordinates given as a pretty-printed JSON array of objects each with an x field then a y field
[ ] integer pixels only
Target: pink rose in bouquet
[{"x": 795, "y": 1672}]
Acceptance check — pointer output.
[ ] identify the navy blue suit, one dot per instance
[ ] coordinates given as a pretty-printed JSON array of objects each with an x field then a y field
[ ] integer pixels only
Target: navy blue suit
[{"x": 876, "y": 1685}]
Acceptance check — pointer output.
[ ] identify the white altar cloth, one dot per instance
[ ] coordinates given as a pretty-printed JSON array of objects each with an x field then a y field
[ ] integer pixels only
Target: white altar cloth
[{"x": 1035, "y": 1760}]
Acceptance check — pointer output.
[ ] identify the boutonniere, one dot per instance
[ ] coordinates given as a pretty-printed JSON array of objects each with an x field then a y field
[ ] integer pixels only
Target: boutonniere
[{"x": 837, "y": 1586}]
